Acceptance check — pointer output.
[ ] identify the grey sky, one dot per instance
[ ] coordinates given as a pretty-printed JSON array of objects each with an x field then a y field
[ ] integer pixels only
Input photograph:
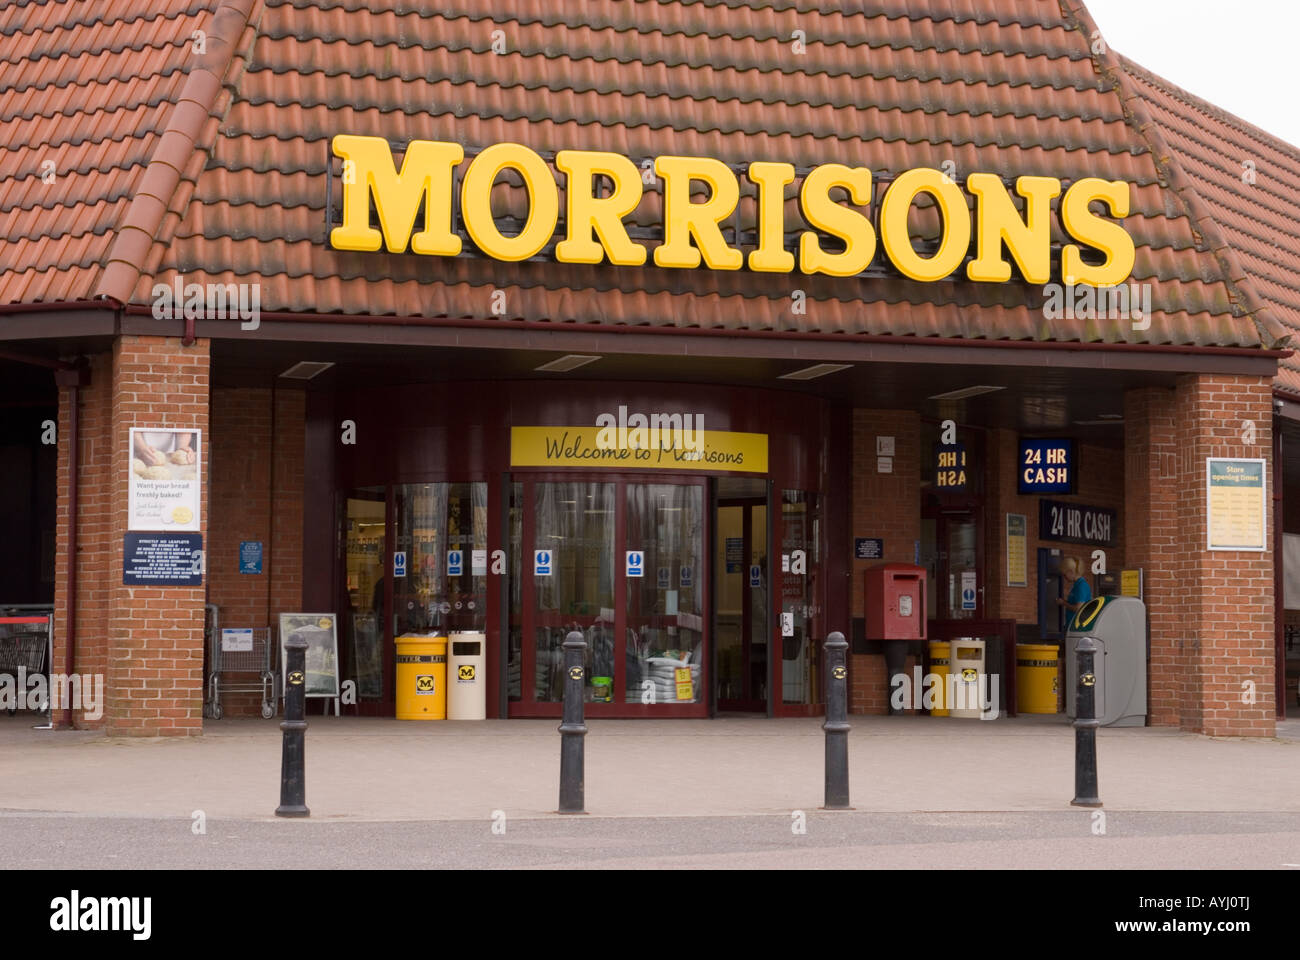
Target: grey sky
[{"x": 1240, "y": 55}]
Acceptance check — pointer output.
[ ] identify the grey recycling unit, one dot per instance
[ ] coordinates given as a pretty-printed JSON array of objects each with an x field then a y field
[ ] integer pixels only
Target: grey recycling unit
[{"x": 1119, "y": 625}]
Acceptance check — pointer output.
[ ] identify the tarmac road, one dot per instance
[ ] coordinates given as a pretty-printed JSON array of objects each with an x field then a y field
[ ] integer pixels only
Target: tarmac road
[{"x": 865, "y": 840}]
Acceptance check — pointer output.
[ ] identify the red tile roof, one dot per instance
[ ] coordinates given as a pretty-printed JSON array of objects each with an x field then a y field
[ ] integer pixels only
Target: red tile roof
[
  {"x": 1248, "y": 184},
  {"x": 214, "y": 164}
]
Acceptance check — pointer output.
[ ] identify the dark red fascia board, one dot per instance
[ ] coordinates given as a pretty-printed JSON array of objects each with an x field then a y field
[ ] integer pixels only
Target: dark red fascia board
[{"x": 480, "y": 323}]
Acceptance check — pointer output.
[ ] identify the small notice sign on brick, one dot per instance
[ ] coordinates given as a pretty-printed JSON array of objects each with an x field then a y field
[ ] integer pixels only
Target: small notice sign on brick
[{"x": 162, "y": 559}]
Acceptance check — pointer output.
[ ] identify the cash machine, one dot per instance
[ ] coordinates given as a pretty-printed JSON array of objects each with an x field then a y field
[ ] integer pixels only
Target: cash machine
[{"x": 1119, "y": 625}]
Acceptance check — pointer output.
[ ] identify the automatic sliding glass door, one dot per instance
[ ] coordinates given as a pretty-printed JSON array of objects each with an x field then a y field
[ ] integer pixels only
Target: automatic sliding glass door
[{"x": 643, "y": 623}]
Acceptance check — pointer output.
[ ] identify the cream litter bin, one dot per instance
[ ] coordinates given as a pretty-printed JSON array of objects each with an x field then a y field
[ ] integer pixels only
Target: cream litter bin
[
  {"x": 466, "y": 676},
  {"x": 967, "y": 671}
]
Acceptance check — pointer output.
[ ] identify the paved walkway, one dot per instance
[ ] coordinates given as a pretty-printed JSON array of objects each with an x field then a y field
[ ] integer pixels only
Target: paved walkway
[{"x": 374, "y": 769}]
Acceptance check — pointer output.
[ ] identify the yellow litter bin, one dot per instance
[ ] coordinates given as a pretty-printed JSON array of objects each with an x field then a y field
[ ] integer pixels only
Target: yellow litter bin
[
  {"x": 939, "y": 659},
  {"x": 421, "y": 678},
  {"x": 1036, "y": 669}
]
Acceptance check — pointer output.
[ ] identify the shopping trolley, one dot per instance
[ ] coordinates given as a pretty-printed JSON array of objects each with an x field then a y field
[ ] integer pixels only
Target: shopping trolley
[
  {"x": 236, "y": 655},
  {"x": 24, "y": 645}
]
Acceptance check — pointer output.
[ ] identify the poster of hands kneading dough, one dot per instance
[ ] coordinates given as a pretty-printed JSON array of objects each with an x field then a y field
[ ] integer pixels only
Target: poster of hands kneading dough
[{"x": 165, "y": 480}]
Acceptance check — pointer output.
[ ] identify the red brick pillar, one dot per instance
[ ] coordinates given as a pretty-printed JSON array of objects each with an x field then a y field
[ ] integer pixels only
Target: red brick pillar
[
  {"x": 1211, "y": 612},
  {"x": 888, "y": 506},
  {"x": 147, "y": 642}
]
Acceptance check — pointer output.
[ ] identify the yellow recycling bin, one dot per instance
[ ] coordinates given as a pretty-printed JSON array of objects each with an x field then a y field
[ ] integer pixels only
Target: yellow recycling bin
[
  {"x": 421, "y": 678},
  {"x": 1036, "y": 669},
  {"x": 939, "y": 658}
]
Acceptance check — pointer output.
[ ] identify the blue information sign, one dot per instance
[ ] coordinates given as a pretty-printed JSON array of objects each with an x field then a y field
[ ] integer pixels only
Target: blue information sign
[
  {"x": 1045, "y": 466},
  {"x": 250, "y": 556},
  {"x": 162, "y": 559}
]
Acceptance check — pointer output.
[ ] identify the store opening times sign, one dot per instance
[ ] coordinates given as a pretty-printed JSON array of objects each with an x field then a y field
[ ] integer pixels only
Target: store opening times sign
[
  {"x": 602, "y": 189},
  {"x": 1236, "y": 509}
]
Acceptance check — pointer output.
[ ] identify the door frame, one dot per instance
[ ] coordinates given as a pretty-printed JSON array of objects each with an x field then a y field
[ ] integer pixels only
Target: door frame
[
  {"x": 750, "y": 704},
  {"x": 526, "y": 705},
  {"x": 777, "y": 707},
  {"x": 942, "y": 513}
]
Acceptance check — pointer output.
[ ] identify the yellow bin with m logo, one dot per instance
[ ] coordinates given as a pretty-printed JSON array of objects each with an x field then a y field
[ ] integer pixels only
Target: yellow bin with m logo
[{"x": 421, "y": 678}]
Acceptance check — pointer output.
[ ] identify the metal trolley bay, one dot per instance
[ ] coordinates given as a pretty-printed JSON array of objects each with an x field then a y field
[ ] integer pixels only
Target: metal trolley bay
[
  {"x": 24, "y": 655},
  {"x": 236, "y": 655}
]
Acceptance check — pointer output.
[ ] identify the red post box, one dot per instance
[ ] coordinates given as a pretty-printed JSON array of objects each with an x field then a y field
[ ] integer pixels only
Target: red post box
[{"x": 894, "y": 601}]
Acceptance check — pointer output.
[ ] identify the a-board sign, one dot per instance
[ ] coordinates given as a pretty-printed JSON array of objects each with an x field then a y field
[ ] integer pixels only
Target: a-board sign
[{"x": 320, "y": 630}]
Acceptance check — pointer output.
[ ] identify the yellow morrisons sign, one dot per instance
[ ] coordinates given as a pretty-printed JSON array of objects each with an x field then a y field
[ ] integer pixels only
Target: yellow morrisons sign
[{"x": 692, "y": 233}]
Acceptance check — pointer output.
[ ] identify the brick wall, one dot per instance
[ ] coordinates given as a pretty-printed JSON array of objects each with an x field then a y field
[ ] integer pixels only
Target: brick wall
[
  {"x": 885, "y": 505},
  {"x": 1211, "y": 612},
  {"x": 257, "y": 493},
  {"x": 147, "y": 641},
  {"x": 95, "y": 530},
  {"x": 868, "y": 686}
]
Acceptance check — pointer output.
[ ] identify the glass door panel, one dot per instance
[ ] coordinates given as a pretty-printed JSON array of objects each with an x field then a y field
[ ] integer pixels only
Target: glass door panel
[
  {"x": 729, "y": 595},
  {"x": 664, "y": 619},
  {"x": 800, "y": 621},
  {"x": 364, "y": 516},
  {"x": 573, "y": 530},
  {"x": 439, "y": 526},
  {"x": 515, "y": 646},
  {"x": 741, "y": 604},
  {"x": 964, "y": 588}
]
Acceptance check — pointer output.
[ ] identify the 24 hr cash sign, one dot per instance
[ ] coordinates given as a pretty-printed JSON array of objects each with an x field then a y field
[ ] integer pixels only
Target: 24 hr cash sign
[{"x": 692, "y": 232}]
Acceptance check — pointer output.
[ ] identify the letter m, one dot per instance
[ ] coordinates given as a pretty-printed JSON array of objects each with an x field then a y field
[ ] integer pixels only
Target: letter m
[
  {"x": 222, "y": 297},
  {"x": 425, "y": 176},
  {"x": 65, "y": 691},
  {"x": 120, "y": 908}
]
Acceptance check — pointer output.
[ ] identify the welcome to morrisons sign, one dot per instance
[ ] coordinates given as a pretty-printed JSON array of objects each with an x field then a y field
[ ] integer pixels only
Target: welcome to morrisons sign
[{"x": 601, "y": 189}]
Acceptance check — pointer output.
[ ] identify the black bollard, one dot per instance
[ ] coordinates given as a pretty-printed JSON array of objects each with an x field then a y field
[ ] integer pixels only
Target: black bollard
[
  {"x": 573, "y": 730},
  {"x": 293, "y": 774},
  {"x": 837, "y": 724},
  {"x": 1085, "y": 727}
]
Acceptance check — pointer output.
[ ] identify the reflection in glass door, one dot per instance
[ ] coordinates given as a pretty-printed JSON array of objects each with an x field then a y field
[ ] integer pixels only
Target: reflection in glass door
[
  {"x": 645, "y": 631},
  {"x": 573, "y": 584},
  {"x": 740, "y": 621},
  {"x": 665, "y": 608},
  {"x": 438, "y": 527},
  {"x": 800, "y": 624},
  {"x": 950, "y": 552},
  {"x": 364, "y": 527}
]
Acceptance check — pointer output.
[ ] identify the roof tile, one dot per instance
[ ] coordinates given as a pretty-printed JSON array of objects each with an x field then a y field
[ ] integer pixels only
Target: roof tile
[{"x": 158, "y": 183}]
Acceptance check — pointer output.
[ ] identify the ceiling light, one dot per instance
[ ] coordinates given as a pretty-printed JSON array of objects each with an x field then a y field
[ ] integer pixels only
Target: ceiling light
[
  {"x": 305, "y": 370},
  {"x": 1099, "y": 423},
  {"x": 815, "y": 371},
  {"x": 570, "y": 361},
  {"x": 966, "y": 393}
]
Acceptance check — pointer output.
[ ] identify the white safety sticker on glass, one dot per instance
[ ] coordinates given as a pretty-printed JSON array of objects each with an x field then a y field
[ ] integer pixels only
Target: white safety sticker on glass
[
  {"x": 787, "y": 624},
  {"x": 904, "y": 606},
  {"x": 478, "y": 563}
]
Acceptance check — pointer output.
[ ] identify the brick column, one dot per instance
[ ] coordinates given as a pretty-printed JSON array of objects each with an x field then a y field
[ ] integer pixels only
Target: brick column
[
  {"x": 1211, "y": 612},
  {"x": 147, "y": 642},
  {"x": 885, "y": 505}
]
